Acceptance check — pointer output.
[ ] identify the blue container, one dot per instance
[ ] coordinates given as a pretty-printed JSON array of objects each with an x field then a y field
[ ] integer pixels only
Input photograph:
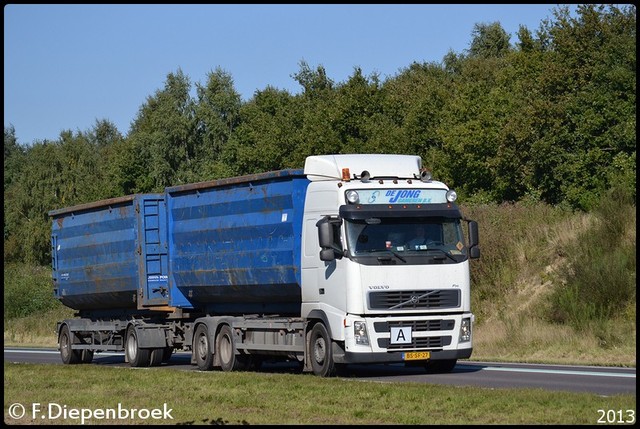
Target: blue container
[
  {"x": 111, "y": 254},
  {"x": 235, "y": 244}
]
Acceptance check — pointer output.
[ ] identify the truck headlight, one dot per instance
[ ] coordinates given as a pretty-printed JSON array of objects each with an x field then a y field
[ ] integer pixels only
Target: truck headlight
[
  {"x": 465, "y": 330},
  {"x": 360, "y": 333}
]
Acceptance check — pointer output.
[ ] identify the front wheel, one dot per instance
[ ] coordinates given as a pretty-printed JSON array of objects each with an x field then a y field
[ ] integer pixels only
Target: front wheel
[{"x": 320, "y": 354}]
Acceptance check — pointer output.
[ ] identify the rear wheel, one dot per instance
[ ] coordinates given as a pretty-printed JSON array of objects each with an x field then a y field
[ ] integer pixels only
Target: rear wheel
[
  {"x": 136, "y": 356},
  {"x": 202, "y": 349},
  {"x": 156, "y": 356},
  {"x": 226, "y": 350},
  {"x": 65, "y": 340},
  {"x": 320, "y": 354}
]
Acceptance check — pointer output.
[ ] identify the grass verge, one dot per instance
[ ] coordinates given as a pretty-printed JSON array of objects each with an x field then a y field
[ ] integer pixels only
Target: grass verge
[{"x": 195, "y": 397}]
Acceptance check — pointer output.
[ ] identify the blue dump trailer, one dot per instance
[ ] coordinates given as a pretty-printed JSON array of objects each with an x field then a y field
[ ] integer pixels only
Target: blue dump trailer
[
  {"x": 307, "y": 265},
  {"x": 236, "y": 244},
  {"x": 103, "y": 252}
]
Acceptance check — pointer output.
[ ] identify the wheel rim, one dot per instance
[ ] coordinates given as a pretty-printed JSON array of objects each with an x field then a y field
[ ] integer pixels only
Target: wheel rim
[
  {"x": 64, "y": 345},
  {"x": 132, "y": 346},
  {"x": 319, "y": 350},
  {"x": 203, "y": 346}
]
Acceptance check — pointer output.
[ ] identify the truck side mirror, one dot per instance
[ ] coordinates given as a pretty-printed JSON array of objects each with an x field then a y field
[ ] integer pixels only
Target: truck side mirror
[
  {"x": 474, "y": 240},
  {"x": 327, "y": 255},
  {"x": 329, "y": 238}
]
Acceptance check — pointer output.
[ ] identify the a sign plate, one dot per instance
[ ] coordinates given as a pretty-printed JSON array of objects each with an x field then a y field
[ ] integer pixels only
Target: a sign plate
[
  {"x": 416, "y": 356},
  {"x": 402, "y": 196},
  {"x": 401, "y": 335}
]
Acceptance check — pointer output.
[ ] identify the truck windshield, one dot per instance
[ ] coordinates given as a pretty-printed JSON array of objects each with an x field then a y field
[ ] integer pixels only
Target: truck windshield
[{"x": 406, "y": 236}]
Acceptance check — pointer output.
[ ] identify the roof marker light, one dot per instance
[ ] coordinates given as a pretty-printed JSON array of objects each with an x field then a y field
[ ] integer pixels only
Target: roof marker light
[{"x": 345, "y": 174}]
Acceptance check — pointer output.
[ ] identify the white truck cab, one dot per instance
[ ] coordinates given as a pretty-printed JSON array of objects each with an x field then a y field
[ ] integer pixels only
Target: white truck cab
[{"x": 391, "y": 280}]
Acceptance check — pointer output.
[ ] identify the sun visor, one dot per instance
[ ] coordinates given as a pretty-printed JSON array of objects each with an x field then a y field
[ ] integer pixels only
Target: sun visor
[{"x": 359, "y": 212}]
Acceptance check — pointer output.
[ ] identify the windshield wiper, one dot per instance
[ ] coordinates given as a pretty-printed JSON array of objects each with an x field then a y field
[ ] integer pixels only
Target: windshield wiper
[
  {"x": 445, "y": 253},
  {"x": 394, "y": 253}
]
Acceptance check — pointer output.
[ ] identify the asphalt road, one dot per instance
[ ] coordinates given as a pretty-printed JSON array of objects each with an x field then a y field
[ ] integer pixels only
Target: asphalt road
[{"x": 604, "y": 381}]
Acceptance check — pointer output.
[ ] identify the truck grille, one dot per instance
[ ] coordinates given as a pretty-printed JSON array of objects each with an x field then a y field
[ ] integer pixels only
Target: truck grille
[
  {"x": 416, "y": 343},
  {"x": 416, "y": 325},
  {"x": 412, "y": 299}
]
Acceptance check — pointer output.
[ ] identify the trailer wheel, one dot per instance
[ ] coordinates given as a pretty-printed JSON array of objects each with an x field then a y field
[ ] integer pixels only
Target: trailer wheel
[
  {"x": 320, "y": 352},
  {"x": 136, "y": 356},
  {"x": 202, "y": 349},
  {"x": 68, "y": 355},
  {"x": 226, "y": 350}
]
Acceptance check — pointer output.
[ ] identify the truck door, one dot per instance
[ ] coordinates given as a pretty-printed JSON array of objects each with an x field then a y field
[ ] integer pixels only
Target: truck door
[{"x": 152, "y": 251}]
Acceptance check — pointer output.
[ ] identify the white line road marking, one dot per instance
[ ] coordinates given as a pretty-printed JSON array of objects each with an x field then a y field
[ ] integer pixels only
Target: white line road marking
[{"x": 551, "y": 371}]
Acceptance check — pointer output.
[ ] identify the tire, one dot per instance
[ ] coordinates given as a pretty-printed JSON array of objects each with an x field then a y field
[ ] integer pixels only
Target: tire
[
  {"x": 166, "y": 354},
  {"x": 226, "y": 350},
  {"x": 156, "y": 356},
  {"x": 86, "y": 356},
  {"x": 441, "y": 366},
  {"x": 202, "y": 350},
  {"x": 68, "y": 355},
  {"x": 136, "y": 356},
  {"x": 320, "y": 354}
]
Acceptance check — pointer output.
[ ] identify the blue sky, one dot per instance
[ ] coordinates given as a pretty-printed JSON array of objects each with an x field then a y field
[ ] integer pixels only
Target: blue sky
[{"x": 66, "y": 66}]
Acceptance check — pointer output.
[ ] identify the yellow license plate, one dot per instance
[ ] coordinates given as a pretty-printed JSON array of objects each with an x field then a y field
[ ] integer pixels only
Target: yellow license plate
[{"x": 416, "y": 355}]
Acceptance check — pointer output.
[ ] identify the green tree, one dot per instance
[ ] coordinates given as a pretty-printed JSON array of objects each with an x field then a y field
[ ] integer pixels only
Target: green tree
[
  {"x": 217, "y": 115},
  {"x": 265, "y": 138},
  {"x": 414, "y": 102},
  {"x": 13, "y": 162},
  {"x": 164, "y": 133},
  {"x": 13, "y": 156},
  {"x": 315, "y": 83},
  {"x": 315, "y": 114},
  {"x": 107, "y": 141},
  {"x": 589, "y": 85},
  {"x": 358, "y": 112},
  {"x": 79, "y": 176},
  {"x": 35, "y": 189},
  {"x": 489, "y": 41}
]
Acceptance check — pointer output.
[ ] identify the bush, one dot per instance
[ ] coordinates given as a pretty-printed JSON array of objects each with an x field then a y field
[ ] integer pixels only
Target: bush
[
  {"x": 517, "y": 241},
  {"x": 27, "y": 290},
  {"x": 601, "y": 279}
]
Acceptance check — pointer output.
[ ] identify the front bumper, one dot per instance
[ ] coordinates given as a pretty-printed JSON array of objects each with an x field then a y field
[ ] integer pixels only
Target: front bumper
[{"x": 342, "y": 357}]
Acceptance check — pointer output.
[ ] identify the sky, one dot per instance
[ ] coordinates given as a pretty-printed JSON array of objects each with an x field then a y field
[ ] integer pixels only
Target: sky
[{"x": 67, "y": 66}]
